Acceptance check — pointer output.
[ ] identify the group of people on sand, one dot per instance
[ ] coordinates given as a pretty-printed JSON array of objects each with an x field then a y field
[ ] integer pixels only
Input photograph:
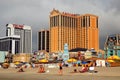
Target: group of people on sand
[
  {"x": 85, "y": 68},
  {"x": 42, "y": 69}
]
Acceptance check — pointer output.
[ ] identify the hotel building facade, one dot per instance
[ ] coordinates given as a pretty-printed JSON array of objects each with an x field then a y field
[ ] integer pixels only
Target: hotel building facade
[
  {"x": 25, "y": 34},
  {"x": 43, "y": 40},
  {"x": 78, "y": 31}
]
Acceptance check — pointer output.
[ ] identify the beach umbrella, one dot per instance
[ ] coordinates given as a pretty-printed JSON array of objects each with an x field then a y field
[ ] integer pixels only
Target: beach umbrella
[
  {"x": 110, "y": 60},
  {"x": 71, "y": 60},
  {"x": 114, "y": 57},
  {"x": 17, "y": 62},
  {"x": 43, "y": 60}
]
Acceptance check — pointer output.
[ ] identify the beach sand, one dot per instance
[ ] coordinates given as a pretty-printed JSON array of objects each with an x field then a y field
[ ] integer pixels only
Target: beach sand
[{"x": 104, "y": 73}]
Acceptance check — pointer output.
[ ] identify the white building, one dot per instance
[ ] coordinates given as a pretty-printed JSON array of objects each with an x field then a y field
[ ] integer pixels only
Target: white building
[
  {"x": 10, "y": 44},
  {"x": 25, "y": 34}
]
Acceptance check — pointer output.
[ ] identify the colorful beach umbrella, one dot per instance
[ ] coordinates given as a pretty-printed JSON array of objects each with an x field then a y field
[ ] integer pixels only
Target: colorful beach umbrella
[
  {"x": 71, "y": 60},
  {"x": 110, "y": 60},
  {"x": 16, "y": 63},
  {"x": 114, "y": 57},
  {"x": 43, "y": 60}
]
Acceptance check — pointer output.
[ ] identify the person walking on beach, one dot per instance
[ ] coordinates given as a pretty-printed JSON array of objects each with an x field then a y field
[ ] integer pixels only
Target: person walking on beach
[{"x": 60, "y": 68}]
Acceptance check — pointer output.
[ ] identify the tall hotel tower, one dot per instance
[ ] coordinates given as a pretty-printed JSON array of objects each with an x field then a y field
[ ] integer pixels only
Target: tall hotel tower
[
  {"x": 43, "y": 40},
  {"x": 78, "y": 31},
  {"x": 25, "y": 34}
]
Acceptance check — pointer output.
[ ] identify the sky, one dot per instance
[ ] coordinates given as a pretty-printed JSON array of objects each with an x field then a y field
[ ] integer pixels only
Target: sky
[{"x": 35, "y": 13}]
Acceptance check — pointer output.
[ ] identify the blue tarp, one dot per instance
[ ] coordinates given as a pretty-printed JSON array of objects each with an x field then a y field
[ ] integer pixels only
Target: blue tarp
[{"x": 84, "y": 62}]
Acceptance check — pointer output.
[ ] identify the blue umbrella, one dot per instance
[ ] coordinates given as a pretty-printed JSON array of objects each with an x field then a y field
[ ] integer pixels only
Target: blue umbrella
[{"x": 83, "y": 62}]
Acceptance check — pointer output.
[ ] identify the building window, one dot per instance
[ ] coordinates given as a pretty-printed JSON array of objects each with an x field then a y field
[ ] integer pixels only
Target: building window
[
  {"x": 61, "y": 20},
  {"x": 89, "y": 20},
  {"x": 39, "y": 40},
  {"x": 54, "y": 21},
  {"x": 97, "y": 22},
  {"x": 86, "y": 21},
  {"x": 83, "y": 21},
  {"x": 58, "y": 20}
]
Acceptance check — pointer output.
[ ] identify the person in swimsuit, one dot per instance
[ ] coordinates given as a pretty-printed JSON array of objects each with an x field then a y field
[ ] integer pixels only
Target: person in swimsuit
[{"x": 60, "y": 68}]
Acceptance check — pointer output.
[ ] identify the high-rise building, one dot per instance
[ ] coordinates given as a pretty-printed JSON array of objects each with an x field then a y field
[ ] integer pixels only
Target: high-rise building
[
  {"x": 43, "y": 40},
  {"x": 25, "y": 34},
  {"x": 10, "y": 44},
  {"x": 88, "y": 32},
  {"x": 78, "y": 31}
]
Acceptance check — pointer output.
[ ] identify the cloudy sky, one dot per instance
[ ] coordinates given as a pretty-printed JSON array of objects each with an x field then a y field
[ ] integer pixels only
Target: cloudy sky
[{"x": 35, "y": 13}]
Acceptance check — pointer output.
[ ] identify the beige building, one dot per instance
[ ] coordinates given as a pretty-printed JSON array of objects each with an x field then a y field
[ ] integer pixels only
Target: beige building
[{"x": 78, "y": 31}]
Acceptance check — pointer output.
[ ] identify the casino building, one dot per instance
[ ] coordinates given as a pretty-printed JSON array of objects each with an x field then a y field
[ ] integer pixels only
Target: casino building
[
  {"x": 78, "y": 31},
  {"x": 25, "y": 34}
]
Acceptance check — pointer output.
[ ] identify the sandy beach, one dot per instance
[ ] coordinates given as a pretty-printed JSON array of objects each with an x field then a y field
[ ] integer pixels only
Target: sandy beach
[{"x": 104, "y": 73}]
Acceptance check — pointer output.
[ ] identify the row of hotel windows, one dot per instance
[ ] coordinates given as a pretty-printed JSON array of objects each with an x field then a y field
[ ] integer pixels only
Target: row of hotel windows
[
  {"x": 86, "y": 21},
  {"x": 65, "y": 21},
  {"x": 70, "y": 21}
]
